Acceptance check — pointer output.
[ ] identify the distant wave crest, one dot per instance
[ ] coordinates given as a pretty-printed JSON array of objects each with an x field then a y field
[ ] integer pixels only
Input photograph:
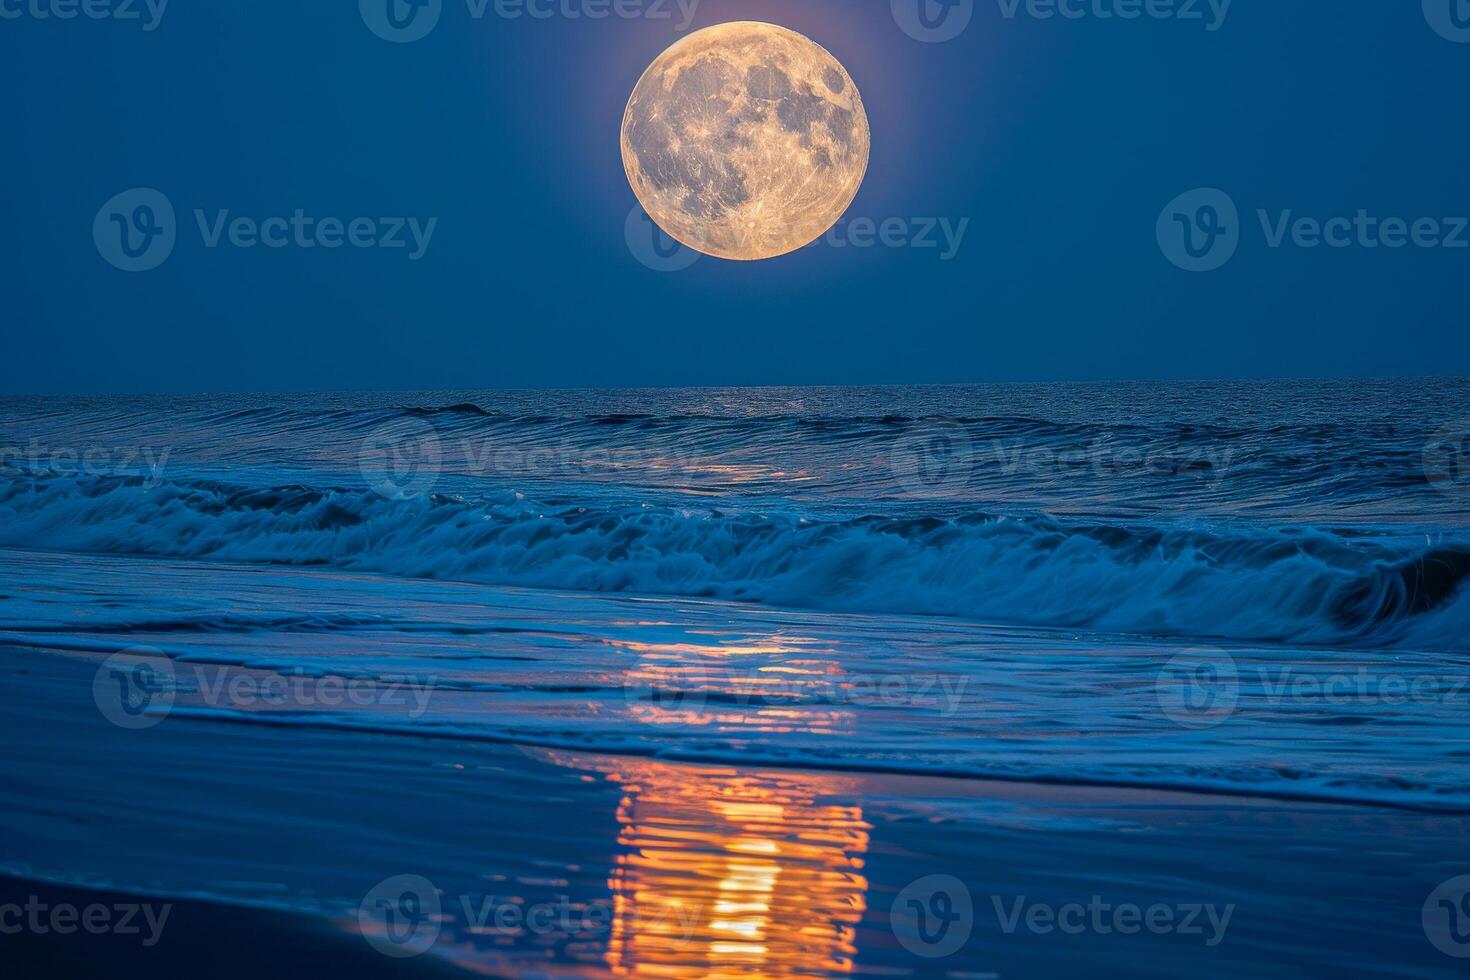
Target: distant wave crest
[{"x": 1292, "y": 584}]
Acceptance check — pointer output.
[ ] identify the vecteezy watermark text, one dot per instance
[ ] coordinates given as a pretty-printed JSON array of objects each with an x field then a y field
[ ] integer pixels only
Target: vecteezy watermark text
[
  {"x": 301, "y": 230},
  {"x": 406, "y": 21},
  {"x": 944, "y": 234},
  {"x": 934, "y": 916},
  {"x": 404, "y": 915},
  {"x": 146, "y": 13},
  {"x": 97, "y": 918},
  {"x": 650, "y": 245},
  {"x": 943, "y": 456},
  {"x": 935, "y": 21},
  {"x": 138, "y": 688},
  {"x": 1098, "y": 917},
  {"x": 1362, "y": 230},
  {"x": 39, "y": 459},
  {"x": 1200, "y": 230},
  {"x": 137, "y": 230},
  {"x": 405, "y": 458},
  {"x": 1201, "y": 687},
  {"x": 1209, "y": 13}
]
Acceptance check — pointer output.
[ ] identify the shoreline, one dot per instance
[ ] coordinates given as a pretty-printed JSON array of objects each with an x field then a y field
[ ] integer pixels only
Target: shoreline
[
  {"x": 194, "y": 934},
  {"x": 502, "y": 859}
]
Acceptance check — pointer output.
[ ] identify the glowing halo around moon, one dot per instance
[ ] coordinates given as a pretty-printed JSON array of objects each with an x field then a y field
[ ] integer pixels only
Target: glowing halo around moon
[{"x": 745, "y": 140}]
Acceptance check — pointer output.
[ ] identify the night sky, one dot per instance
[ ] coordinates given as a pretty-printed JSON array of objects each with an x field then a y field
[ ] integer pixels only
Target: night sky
[{"x": 1057, "y": 142}]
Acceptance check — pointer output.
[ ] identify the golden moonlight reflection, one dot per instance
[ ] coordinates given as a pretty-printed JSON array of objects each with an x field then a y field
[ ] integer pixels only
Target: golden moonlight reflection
[
  {"x": 745, "y": 140},
  {"x": 745, "y": 686},
  {"x": 725, "y": 871},
  {"x": 730, "y": 872}
]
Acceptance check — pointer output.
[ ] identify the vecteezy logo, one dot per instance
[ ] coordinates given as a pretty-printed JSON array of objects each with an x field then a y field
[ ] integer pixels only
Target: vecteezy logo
[
  {"x": 654, "y": 247},
  {"x": 1198, "y": 688},
  {"x": 135, "y": 689},
  {"x": 933, "y": 916},
  {"x": 1446, "y": 459},
  {"x": 932, "y": 21},
  {"x": 1449, "y": 18},
  {"x": 401, "y": 459},
  {"x": 1446, "y": 917},
  {"x": 933, "y": 457},
  {"x": 135, "y": 230},
  {"x": 1199, "y": 230},
  {"x": 401, "y": 21},
  {"x": 401, "y": 916}
]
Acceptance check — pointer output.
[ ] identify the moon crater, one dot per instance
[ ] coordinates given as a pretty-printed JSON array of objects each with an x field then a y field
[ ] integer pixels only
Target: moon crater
[{"x": 745, "y": 140}]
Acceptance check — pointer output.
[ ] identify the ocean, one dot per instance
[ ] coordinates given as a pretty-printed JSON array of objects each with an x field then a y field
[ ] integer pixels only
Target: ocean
[{"x": 794, "y": 650}]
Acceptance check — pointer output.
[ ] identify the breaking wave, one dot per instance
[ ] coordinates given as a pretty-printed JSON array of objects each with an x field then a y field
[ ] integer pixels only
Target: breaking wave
[{"x": 1238, "y": 582}]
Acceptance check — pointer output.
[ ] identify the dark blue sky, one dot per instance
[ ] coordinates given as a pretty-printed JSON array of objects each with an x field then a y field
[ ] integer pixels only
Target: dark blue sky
[{"x": 1061, "y": 141}]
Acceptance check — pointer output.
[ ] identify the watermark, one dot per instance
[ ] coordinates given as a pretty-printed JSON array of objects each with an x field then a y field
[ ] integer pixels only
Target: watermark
[
  {"x": 659, "y": 251},
  {"x": 1446, "y": 458},
  {"x": 933, "y": 457},
  {"x": 937, "y": 21},
  {"x": 692, "y": 688},
  {"x": 941, "y": 457},
  {"x": 406, "y": 914},
  {"x": 1200, "y": 230},
  {"x": 38, "y": 459},
  {"x": 654, "y": 247},
  {"x": 401, "y": 21},
  {"x": 406, "y": 458},
  {"x": 671, "y": 690},
  {"x": 945, "y": 235},
  {"x": 1207, "y": 921},
  {"x": 1102, "y": 457},
  {"x": 402, "y": 459},
  {"x": 932, "y": 21},
  {"x": 401, "y": 916},
  {"x": 40, "y": 918},
  {"x": 304, "y": 231},
  {"x": 406, "y": 21},
  {"x": 1446, "y": 917},
  {"x": 139, "y": 687},
  {"x": 1209, "y": 14},
  {"x": 933, "y": 916},
  {"x": 146, "y": 13},
  {"x": 925, "y": 457},
  {"x": 137, "y": 231},
  {"x": 1363, "y": 230},
  {"x": 1279, "y": 685},
  {"x": 1450, "y": 19},
  {"x": 135, "y": 689},
  {"x": 1198, "y": 688}
]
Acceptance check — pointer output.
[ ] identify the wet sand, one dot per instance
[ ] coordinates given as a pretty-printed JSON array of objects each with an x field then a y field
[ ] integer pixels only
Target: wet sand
[
  {"x": 230, "y": 942},
  {"x": 551, "y": 862}
]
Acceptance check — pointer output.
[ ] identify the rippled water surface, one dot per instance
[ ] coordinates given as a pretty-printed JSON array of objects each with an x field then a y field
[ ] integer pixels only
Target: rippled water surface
[{"x": 741, "y": 612}]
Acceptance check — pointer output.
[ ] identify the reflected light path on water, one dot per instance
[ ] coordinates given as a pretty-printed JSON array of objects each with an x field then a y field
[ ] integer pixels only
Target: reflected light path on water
[
  {"x": 724, "y": 872},
  {"x": 754, "y": 685}
]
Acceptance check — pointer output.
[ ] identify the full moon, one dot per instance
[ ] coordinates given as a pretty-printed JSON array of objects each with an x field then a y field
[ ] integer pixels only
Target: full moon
[{"x": 745, "y": 140}]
